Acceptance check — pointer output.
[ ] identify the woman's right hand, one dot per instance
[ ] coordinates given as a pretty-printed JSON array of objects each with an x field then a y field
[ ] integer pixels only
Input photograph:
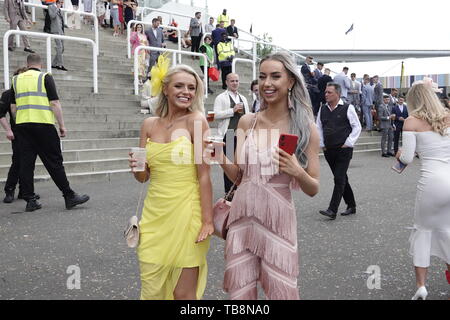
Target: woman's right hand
[
  {"x": 132, "y": 163},
  {"x": 213, "y": 149}
]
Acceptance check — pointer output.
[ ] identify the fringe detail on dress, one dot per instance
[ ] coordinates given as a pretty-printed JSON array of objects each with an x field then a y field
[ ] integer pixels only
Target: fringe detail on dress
[
  {"x": 240, "y": 274},
  {"x": 264, "y": 244},
  {"x": 249, "y": 292},
  {"x": 276, "y": 289},
  {"x": 278, "y": 216}
]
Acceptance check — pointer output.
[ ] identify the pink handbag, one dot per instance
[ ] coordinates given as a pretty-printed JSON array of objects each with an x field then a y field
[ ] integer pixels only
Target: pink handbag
[{"x": 221, "y": 211}]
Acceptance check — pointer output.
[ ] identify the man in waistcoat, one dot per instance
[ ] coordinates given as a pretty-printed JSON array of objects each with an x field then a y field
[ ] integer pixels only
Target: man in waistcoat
[{"x": 339, "y": 128}]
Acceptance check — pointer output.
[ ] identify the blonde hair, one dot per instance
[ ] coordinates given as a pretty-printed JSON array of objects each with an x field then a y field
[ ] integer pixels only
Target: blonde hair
[
  {"x": 162, "y": 106},
  {"x": 424, "y": 104}
]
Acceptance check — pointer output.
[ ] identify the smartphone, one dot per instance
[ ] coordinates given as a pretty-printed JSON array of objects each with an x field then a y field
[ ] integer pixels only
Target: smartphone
[
  {"x": 399, "y": 166},
  {"x": 288, "y": 142}
]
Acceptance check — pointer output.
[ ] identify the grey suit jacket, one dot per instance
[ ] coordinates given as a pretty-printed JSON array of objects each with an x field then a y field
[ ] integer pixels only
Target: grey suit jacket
[
  {"x": 378, "y": 94},
  {"x": 195, "y": 27},
  {"x": 12, "y": 7},
  {"x": 56, "y": 20},
  {"x": 154, "y": 41},
  {"x": 384, "y": 112}
]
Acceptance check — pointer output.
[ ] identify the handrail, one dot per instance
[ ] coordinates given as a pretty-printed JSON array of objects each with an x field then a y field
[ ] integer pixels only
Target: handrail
[
  {"x": 149, "y": 23},
  {"x": 196, "y": 54},
  {"x": 90, "y": 14},
  {"x": 48, "y": 37},
  {"x": 235, "y": 60}
]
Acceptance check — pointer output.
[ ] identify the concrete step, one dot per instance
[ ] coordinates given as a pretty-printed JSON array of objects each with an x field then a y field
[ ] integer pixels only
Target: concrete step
[
  {"x": 79, "y": 166},
  {"x": 99, "y": 134},
  {"x": 113, "y": 125},
  {"x": 85, "y": 144}
]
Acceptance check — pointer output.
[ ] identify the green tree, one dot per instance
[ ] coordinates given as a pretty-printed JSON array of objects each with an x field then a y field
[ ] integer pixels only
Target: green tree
[{"x": 263, "y": 50}]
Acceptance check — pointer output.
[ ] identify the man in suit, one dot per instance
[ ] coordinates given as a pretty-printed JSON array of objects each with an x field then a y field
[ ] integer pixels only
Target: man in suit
[
  {"x": 367, "y": 102},
  {"x": 155, "y": 38},
  {"x": 344, "y": 82},
  {"x": 339, "y": 129},
  {"x": 354, "y": 95},
  {"x": 385, "y": 116},
  {"x": 16, "y": 16},
  {"x": 318, "y": 71},
  {"x": 57, "y": 27},
  {"x": 393, "y": 98},
  {"x": 400, "y": 111},
  {"x": 195, "y": 29},
  {"x": 322, "y": 84},
  {"x": 232, "y": 29},
  {"x": 311, "y": 84}
]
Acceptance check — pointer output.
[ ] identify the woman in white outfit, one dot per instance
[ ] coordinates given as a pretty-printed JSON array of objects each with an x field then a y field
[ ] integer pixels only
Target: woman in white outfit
[{"x": 427, "y": 133}]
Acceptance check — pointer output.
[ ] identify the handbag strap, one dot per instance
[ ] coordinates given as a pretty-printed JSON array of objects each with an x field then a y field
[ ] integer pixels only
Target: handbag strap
[
  {"x": 140, "y": 198},
  {"x": 239, "y": 176}
]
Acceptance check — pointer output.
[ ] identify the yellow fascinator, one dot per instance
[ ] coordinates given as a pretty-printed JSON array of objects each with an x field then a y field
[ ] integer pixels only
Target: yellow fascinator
[{"x": 158, "y": 73}]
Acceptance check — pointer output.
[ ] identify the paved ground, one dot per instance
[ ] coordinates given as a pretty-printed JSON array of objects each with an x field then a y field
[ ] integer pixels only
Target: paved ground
[{"x": 37, "y": 248}]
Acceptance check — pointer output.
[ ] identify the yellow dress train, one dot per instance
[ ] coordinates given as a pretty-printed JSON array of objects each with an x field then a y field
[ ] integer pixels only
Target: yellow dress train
[{"x": 171, "y": 221}]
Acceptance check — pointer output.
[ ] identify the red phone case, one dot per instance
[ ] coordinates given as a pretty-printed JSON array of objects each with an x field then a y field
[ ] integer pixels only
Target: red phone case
[{"x": 288, "y": 142}]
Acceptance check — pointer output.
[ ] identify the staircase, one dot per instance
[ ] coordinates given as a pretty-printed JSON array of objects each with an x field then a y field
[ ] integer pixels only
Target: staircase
[{"x": 102, "y": 127}]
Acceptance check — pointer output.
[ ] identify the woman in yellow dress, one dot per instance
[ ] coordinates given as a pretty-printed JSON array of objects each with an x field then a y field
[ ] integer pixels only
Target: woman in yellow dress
[{"x": 177, "y": 215}]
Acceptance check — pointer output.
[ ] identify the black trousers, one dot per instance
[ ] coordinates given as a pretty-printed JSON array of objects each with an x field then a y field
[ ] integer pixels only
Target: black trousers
[
  {"x": 225, "y": 72},
  {"x": 339, "y": 159},
  {"x": 228, "y": 139},
  {"x": 13, "y": 173},
  {"x": 43, "y": 140},
  {"x": 207, "y": 72},
  {"x": 397, "y": 134},
  {"x": 195, "y": 43}
]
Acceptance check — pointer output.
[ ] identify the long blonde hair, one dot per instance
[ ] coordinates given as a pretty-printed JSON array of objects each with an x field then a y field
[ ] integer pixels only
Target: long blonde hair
[
  {"x": 424, "y": 104},
  {"x": 162, "y": 106}
]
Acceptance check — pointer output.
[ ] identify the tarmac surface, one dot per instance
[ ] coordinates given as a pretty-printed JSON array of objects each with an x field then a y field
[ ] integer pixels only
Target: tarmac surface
[{"x": 37, "y": 249}]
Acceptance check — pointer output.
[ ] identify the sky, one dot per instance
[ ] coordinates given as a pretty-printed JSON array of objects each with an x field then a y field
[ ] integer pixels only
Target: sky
[{"x": 321, "y": 24}]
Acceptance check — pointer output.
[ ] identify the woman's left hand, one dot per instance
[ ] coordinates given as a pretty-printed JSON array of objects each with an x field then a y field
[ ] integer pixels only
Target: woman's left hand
[
  {"x": 287, "y": 163},
  {"x": 206, "y": 230}
]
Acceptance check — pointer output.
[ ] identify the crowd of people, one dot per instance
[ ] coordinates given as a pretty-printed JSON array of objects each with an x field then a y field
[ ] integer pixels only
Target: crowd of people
[{"x": 261, "y": 230}]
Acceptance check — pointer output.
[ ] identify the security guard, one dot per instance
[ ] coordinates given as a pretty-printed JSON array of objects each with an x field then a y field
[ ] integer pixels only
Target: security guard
[
  {"x": 35, "y": 104},
  {"x": 225, "y": 51},
  {"x": 224, "y": 18}
]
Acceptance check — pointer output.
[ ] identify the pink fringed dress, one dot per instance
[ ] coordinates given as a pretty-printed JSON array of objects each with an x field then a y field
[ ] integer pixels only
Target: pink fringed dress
[{"x": 261, "y": 243}]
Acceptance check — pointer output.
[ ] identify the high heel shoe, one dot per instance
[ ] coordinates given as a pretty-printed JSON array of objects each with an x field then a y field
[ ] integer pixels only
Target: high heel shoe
[
  {"x": 421, "y": 294},
  {"x": 447, "y": 274}
]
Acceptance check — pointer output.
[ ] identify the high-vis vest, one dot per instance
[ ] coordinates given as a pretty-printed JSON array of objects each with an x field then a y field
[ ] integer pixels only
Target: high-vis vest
[
  {"x": 225, "y": 50},
  {"x": 225, "y": 19},
  {"x": 31, "y": 98}
]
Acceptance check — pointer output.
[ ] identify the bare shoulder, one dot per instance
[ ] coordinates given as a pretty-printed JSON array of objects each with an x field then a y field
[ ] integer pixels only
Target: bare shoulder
[
  {"x": 415, "y": 124},
  {"x": 148, "y": 122},
  {"x": 246, "y": 121},
  {"x": 196, "y": 115}
]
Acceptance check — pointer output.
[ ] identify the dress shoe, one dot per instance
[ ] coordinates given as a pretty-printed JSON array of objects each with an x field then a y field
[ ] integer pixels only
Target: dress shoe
[
  {"x": 74, "y": 200},
  {"x": 61, "y": 68},
  {"x": 385, "y": 155},
  {"x": 210, "y": 91},
  {"x": 390, "y": 154},
  {"x": 20, "y": 196},
  {"x": 329, "y": 213},
  {"x": 421, "y": 294},
  {"x": 10, "y": 49},
  {"x": 9, "y": 197},
  {"x": 29, "y": 50},
  {"x": 351, "y": 210},
  {"x": 33, "y": 205}
]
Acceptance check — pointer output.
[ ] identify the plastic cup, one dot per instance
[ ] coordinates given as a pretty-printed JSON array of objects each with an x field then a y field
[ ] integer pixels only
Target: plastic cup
[
  {"x": 210, "y": 116},
  {"x": 140, "y": 155},
  {"x": 241, "y": 110},
  {"x": 216, "y": 139}
]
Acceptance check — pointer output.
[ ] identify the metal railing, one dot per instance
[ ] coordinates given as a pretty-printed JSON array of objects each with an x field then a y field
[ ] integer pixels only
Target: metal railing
[
  {"x": 149, "y": 23},
  {"x": 89, "y": 14},
  {"x": 48, "y": 37},
  {"x": 235, "y": 60},
  {"x": 196, "y": 54}
]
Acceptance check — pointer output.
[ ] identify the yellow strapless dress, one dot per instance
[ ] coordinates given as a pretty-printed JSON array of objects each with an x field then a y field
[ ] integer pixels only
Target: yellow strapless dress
[{"x": 171, "y": 221}]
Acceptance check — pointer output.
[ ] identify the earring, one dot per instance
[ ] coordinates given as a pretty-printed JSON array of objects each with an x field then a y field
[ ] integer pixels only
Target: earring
[{"x": 289, "y": 98}]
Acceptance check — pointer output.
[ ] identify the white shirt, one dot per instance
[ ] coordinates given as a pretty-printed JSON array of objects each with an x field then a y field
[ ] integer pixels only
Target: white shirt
[
  {"x": 400, "y": 106},
  {"x": 354, "y": 123},
  {"x": 223, "y": 110},
  {"x": 155, "y": 32}
]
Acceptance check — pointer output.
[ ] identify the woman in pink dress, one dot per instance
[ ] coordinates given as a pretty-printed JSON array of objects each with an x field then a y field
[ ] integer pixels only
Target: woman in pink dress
[
  {"x": 138, "y": 38},
  {"x": 261, "y": 244}
]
